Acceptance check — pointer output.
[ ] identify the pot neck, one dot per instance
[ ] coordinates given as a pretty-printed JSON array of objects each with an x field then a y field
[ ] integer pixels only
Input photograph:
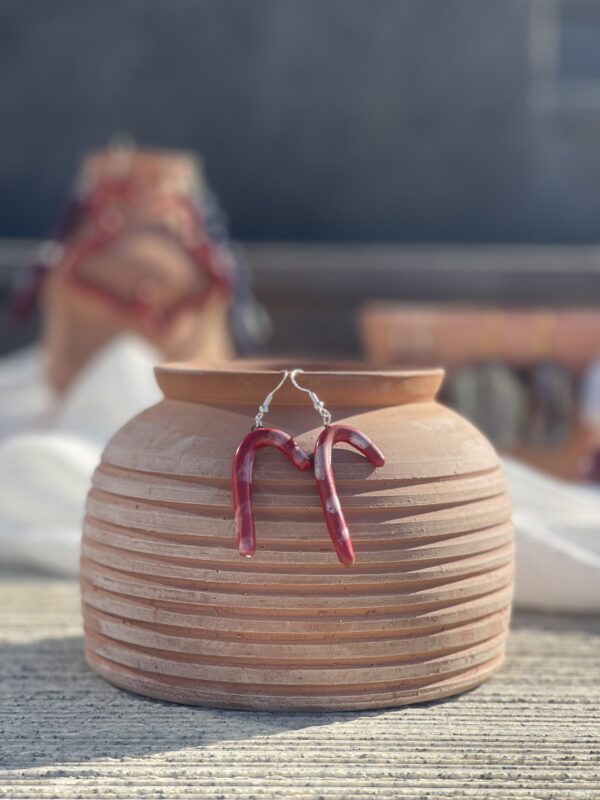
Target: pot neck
[{"x": 338, "y": 385}]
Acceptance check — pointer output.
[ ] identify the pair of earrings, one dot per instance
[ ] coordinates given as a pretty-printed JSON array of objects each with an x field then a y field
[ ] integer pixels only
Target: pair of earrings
[{"x": 320, "y": 462}]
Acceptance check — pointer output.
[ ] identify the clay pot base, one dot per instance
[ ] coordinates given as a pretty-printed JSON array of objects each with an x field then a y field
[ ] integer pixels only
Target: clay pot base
[
  {"x": 149, "y": 685},
  {"x": 171, "y": 610}
]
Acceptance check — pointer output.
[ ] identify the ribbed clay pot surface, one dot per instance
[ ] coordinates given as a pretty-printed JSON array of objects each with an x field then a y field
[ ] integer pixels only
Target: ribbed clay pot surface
[{"x": 172, "y": 611}]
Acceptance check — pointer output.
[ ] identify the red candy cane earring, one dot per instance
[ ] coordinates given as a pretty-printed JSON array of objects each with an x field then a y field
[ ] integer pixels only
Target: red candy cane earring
[
  {"x": 260, "y": 437},
  {"x": 330, "y": 502},
  {"x": 243, "y": 463}
]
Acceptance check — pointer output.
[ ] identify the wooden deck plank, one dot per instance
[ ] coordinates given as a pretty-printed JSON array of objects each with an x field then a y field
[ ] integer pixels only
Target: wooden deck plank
[{"x": 531, "y": 732}]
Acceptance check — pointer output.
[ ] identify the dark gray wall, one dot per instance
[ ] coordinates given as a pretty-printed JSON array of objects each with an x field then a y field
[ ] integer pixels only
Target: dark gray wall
[{"x": 351, "y": 120}]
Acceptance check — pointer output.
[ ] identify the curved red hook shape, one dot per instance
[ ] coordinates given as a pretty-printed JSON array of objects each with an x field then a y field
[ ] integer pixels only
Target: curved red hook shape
[
  {"x": 243, "y": 462},
  {"x": 332, "y": 510}
]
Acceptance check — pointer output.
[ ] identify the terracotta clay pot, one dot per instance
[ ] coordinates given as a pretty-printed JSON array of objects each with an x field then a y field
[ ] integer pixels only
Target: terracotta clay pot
[
  {"x": 172, "y": 611},
  {"x": 395, "y": 334},
  {"x": 454, "y": 336},
  {"x": 79, "y": 320}
]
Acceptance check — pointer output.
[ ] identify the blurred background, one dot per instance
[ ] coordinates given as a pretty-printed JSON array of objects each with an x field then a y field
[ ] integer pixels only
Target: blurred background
[
  {"x": 339, "y": 121},
  {"x": 413, "y": 151}
]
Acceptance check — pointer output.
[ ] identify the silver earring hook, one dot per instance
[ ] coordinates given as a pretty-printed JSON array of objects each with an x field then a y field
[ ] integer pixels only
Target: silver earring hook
[
  {"x": 264, "y": 406},
  {"x": 318, "y": 404}
]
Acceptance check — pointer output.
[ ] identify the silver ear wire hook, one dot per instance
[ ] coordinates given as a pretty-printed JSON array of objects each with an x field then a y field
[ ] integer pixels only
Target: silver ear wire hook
[
  {"x": 317, "y": 403},
  {"x": 264, "y": 406}
]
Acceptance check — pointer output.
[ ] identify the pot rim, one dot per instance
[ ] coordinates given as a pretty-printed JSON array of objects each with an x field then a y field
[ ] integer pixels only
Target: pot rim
[{"x": 341, "y": 383}]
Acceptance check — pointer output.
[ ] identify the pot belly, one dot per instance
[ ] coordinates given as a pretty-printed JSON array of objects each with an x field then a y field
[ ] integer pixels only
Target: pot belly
[{"x": 173, "y": 612}]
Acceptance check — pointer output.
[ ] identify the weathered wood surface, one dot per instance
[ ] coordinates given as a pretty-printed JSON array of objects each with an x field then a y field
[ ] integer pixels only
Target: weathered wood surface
[{"x": 533, "y": 731}]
